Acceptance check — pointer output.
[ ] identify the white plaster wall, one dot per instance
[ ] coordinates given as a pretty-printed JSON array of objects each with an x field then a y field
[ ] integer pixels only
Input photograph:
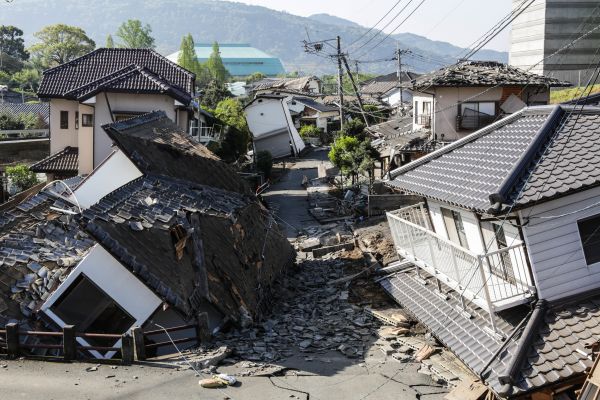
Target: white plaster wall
[
  {"x": 61, "y": 138},
  {"x": 264, "y": 116},
  {"x": 85, "y": 141},
  {"x": 116, "y": 281},
  {"x": 141, "y": 103},
  {"x": 470, "y": 222},
  {"x": 114, "y": 172}
]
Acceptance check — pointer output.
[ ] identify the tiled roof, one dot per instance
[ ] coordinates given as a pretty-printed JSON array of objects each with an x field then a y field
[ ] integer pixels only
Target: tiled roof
[
  {"x": 58, "y": 81},
  {"x": 38, "y": 247},
  {"x": 66, "y": 160},
  {"x": 383, "y": 84},
  {"x": 294, "y": 84},
  {"x": 312, "y": 103},
  {"x": 42, "y": 109},
  {"x": 554, "y": 353},
  {"x": 489, "y": 167},
  {"x": 483, "y": 73},
  {"x": 131, "y": 78},
  {"x": 158, "y": 146}
]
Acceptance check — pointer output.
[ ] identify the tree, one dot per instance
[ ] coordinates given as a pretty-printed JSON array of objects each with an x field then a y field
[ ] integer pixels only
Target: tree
[
  {"x": 257, "y": 76},
  {"x": 27, "y": 79},
  {"x": 213, "y": 95},
  {"x": 216, "y": 67},
  {"x": 59, "y": 44},
  {"x": 354, "y": 128},
  {"x": 10, "y": 121},
  {"x": 12, "y": 48},
  {"x": 237, "y": 135},
  {"x": 187, "y": 57},
  {"x": 21, "y": 176},
  {"x": 309, "y": 131},
  {"x": 110, "y": 43},
  {"x": 134, "y": 35},
  {"x": 353, "y": 157},
  {"x": 264, "y": 162}
]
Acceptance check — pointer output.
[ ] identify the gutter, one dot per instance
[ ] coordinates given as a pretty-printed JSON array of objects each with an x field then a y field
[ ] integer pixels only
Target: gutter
[
  {"x": 516, "y": 172},
  {"x": 523, "y": 347}
]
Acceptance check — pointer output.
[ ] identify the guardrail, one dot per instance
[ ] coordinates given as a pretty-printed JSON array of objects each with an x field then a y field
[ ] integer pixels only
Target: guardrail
[{"x": 134, "y": 344}]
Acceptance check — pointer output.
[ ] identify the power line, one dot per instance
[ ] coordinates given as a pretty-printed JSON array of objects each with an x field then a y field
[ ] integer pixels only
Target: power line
[
  {"x": 395, "y": 29},
  {"x": 378, "y": 22},
  {"x": 386, "y": 25}
]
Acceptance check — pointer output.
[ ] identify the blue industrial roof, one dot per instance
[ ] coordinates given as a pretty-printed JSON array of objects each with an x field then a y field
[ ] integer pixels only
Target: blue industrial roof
[{"x": 240, "y": 59}]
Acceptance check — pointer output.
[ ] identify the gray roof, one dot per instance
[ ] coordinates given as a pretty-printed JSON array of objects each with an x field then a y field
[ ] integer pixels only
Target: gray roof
[
  {"x": 42, "y": 109},
  {"x": 552, "y": 354},
  {"x": 63, "y": 80},
  {"x": 489, "y": 167},
  {"x": 385, "y": 83},
  {"x": 312, "y": 103},
  {"x": 63, "y": 161},
  {"x": 483, "y": 73}
]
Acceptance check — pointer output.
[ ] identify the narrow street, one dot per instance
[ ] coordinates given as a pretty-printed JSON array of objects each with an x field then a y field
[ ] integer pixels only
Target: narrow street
[{"x": 316, "y": 344}]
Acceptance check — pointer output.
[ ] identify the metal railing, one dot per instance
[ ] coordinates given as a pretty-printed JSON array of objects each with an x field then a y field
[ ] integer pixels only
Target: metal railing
[
  {"x": 424, "y": 120},
  {"x": 24, "y": 134},
  {"x": 493, "y": 281},
  {"x": 203, "y": 134},
  {"x": 474, "y": 122}
]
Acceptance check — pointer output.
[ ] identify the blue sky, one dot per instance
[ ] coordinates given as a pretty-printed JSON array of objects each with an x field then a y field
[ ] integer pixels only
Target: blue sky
[{"x": 459, "y": 22}]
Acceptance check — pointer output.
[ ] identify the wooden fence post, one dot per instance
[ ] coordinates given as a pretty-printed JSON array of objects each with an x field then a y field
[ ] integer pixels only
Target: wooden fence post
[
  {"x": 12, "y": 339},
  {"x": 126, "y": 349},
  {"x": 138, "y": 343},
  {"x": 69, "y": 343},
  {"x": 202, "y": 330}
]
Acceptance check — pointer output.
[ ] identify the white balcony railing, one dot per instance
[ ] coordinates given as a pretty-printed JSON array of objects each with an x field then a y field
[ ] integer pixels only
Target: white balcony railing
[
  {"x": 493, "y": 281},
  {"x": 205, "y": 134}
]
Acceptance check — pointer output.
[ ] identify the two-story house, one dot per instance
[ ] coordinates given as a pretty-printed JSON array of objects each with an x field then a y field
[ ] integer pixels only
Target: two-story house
[
  {"x": 502, "y": 257},
  {"x": 389, "y": 88},
  {"x": 105, "y": 86},
  {"x": 462, "y": 98}
]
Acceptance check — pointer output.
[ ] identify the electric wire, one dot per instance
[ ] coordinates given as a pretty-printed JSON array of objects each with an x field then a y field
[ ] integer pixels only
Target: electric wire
[{"x": 377, "y": 23}]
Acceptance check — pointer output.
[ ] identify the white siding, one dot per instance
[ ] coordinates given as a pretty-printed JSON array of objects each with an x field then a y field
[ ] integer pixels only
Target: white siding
[
  {"x": 116, "y": 281},
  {"x": 114, "y": 172},
  {"x": 554, "y": 245},
  {"x": 470, "y": 222}
]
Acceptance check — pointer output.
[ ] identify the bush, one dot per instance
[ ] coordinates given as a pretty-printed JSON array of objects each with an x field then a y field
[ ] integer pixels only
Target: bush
[
  {"x": 309, "y": 131},
  {"x": 21, "y": 176},
  {"x": 10, "y": 121},
  {"x": 354, "y": 128},
  {"x": 264, "y": 162}
]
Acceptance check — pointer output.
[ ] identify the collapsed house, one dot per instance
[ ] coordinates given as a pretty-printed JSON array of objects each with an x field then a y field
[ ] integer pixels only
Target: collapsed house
[
  {"x": 270, "y": 122},
  {"x": 387, "y": 88},
  {"x": 161, "y": 232},
  {"x": 501, "y": 257}
]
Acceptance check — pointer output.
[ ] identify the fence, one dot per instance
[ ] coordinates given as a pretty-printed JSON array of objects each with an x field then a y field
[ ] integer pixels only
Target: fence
[
  {"x": 24, "y": 134},
  {"x": 134, "y": 344}
]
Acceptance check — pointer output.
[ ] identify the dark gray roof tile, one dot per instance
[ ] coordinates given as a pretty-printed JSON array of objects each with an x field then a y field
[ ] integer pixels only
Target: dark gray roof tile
[{"x": 64, "y": 161}]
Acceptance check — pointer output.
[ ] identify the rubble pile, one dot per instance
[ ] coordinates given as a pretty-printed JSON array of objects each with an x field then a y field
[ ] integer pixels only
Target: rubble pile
[
  {"x": 377, "y": 240},
  {"x": 309, "y": 316}
]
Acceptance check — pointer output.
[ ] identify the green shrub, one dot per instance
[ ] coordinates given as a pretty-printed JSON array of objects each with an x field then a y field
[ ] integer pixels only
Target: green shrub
[
  {"x": 309, "y": 131},
  {"x": 21, "y": 176}
]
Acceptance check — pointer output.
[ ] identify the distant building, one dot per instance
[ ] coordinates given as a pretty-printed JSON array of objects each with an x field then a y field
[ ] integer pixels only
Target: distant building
[
  {"x": 240, "y": 59},
  {"x": 548, "y": 25}
]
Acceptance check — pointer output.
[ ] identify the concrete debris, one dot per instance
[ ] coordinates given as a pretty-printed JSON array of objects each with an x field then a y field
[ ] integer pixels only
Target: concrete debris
[
  {"x": 392, "y": 316},
  {"x": 212, "y": 358},
  {"x": 211, "y": 383},
  {"x": 424, "y": 353}
]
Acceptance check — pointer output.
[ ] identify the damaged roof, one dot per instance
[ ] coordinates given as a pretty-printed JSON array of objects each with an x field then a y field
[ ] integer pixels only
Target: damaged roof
[
  {"x": 397, "y": 134},
  {"x": 383, "y": 84},
  {"x": 540, "y": 153},
  {"x": 64, "y": 80},
  {"x": 39, "y": 245},
  {"x": 314, "y": 104},
  {"x": 295, "y": 84},
  {"x": 63, "y": 161},
  {"x": 158, "y": 146},
  {"x": 483, "y": 73},
  {"x": 555, "y": 349}
]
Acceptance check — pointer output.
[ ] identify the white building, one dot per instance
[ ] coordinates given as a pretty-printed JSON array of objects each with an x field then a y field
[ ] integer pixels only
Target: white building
[
  {"x": 105, "y": 86},
  {"x": 270, "y": 122},
  {"x": 509, "y": 220}
]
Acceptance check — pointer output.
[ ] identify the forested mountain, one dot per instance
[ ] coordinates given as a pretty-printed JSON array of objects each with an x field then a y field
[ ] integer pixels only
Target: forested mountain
[{"x": 275, "y": 32}]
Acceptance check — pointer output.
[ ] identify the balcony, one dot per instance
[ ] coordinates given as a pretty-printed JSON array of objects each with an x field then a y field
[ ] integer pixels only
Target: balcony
[
  {"x": 424, "y": 120},
  {"x": 493, "y": 281},
  {"x": 206, "y": 134}
]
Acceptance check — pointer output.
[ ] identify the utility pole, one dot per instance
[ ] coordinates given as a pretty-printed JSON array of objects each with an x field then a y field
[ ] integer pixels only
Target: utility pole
[
  {"x": 399, "y": 71},
  {"x": 340, "y": 82},
  {"x": 356, "y": 92}
]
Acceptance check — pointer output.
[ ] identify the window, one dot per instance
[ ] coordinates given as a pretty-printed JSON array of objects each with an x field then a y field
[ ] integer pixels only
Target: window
[
  {"x": 64, "y": 120},
  {"x": 87, "y": 307},
  {"x": 484, "y": 107},
  {"x": 87, "y": 120},
  {"x": 589, "y": 233},
  {"x": 426, "y": 108},
  {"x": 76, "y": 119},
  {"x": 503, "y": 268},
  {"x": 455, "y": 227},
  {"x": 416, "y": 112},
  {"x": 475, "y": 115}
]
